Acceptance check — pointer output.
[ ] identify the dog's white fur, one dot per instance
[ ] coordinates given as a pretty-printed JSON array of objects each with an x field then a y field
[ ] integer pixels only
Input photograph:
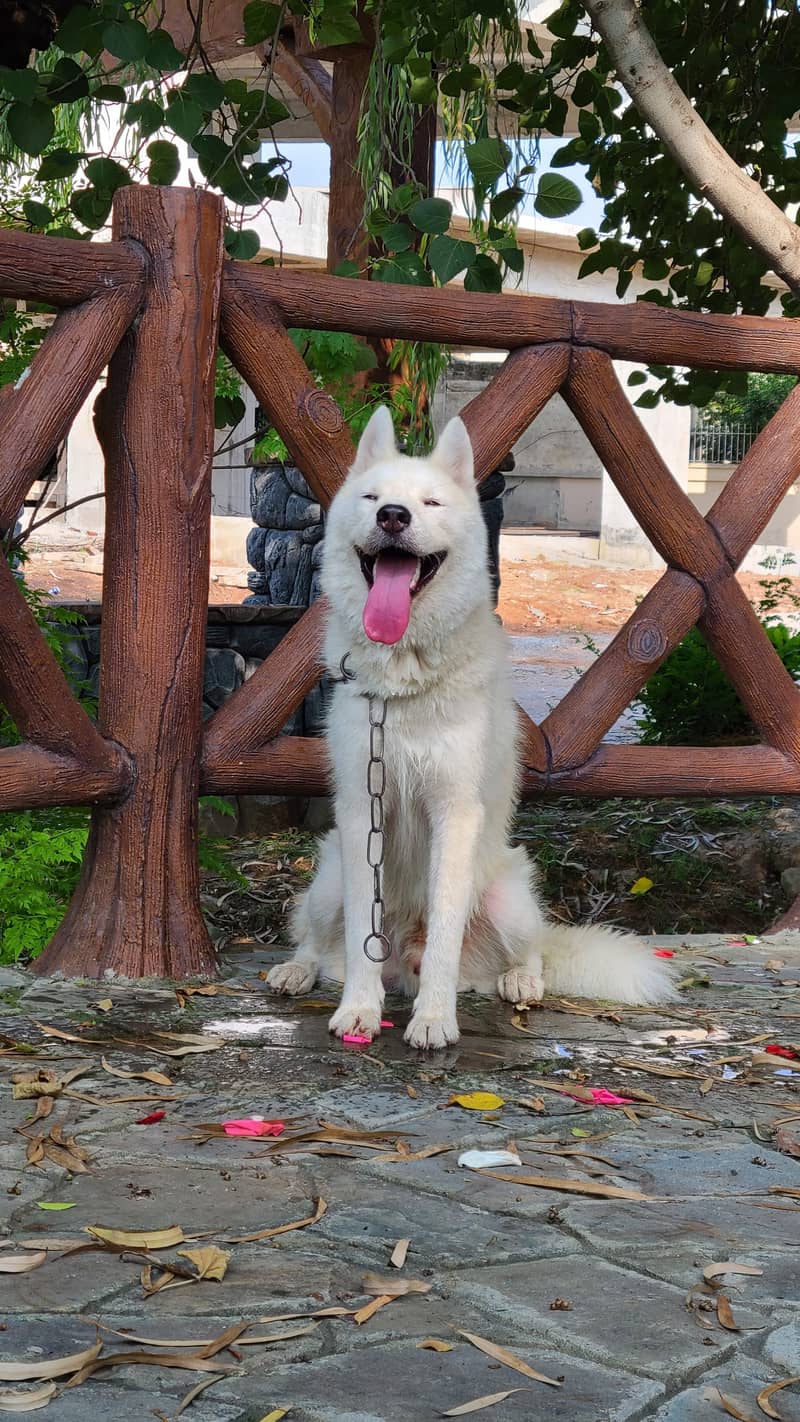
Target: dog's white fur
[{"x": 462, "y": 910}]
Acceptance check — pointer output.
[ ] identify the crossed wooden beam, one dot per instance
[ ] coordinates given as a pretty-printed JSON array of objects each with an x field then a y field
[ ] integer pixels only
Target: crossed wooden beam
[{"x": 156, "y": 301}]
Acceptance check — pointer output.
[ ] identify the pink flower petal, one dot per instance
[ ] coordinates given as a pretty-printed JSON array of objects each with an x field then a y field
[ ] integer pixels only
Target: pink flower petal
[
  {"x": 355, "y": 1039},
  {"x": 386, "y": 1023},
  {"x": 601, "y": 1097},
  {"x": 152, "y": 1118},
  {"x": 250, "y": 1127}
]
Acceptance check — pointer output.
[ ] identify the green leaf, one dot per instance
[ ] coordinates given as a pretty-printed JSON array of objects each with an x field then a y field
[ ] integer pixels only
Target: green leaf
[
  {"x": 484, "y": 275},
  {"x": 503, "y": 203},
  {"x": 487, "y": 160},
  {"x": 126, "y": 39},
  {"x": 162, "y": 52},
  {"x": 648, "y": 400},
  {"x": 19, "y": 84},
  {"x": 91, "y": 207},
  {"x": 405, "y": 268},
  {"x": 514, "y": 259},
  {"x": 81, "y": 32},
  {"x": 228, "y": 411},
  {"x": 66, "y": 83},
  {"x": 341, "y": 28},
  {"x": 347, "y": 268},
  {"x": 107, "y": 175},
  {"x": 31, "y": 126},
  {"x": 243, "y": 245},
  {"x": 260, "y": 21},
  {"x": 58, "y": 164},
  {"x": 165, "y": 163},
  {"x": 212, "y": 152},
  {"x": 183, "y": 116},
  {"x": 53, "y": 1205},
  {"x": 148, "y": 116},
  {"x": 205, "y": 90},
  {"x": 431, "y": 215},
  {"x": 703, "y": 274},
  {"x": 556, "y": 196},
  {"x": 397, "y": 237},
  {"x": 448, "y": 257},
  {"x": 637, "y": 377},
  {"x": 37, "y": 214},
  {"x": 423, "y": 91},
  {"x": 655, "y": 268},
  {"x": 587, "y": 238},
  {"x": 403, "y": 197}
]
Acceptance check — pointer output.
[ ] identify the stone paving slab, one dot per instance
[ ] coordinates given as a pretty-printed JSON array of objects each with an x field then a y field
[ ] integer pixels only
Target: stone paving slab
[{"x": 496, "y": 1253}]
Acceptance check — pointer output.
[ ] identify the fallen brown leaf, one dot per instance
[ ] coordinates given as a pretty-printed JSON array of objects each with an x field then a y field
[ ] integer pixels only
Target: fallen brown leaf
[
  {"x": 766, "y": 1393},
  {"x": 199, "y": 1344},
  {"x": 193, "y": 1363},
  {"x": 320, "y": 1210},
  {"x": 66, "y": 1036},
  {"x": 793, "y": 1193},
  {"x": 394, "y": 1288},
  {"x": 104, "y": 1004},
  {"x": 276, "y": 1414},
  {"x": 48, "y": 1368},
  {"x": 22, "y": 1263},
  {"x": 156, "y": 1077},
  {"x": 27, "y": 1401},
  {"x": 502, "y": 1355},
  {"x": 579, "y": 1187},
  {"x": 398, "y": 1255},
  {"x": 138, "y": 1239},
  {"x": 436, "y": 1345},
  {"x": 729, "y": 1266},
  {"x": 393, "y": 1157},
  {"x": 362, "y": 1315},
  {"x": 210, "y": 1262},
  {"x": 732, "y": 1409},
  {"x": 659, "y": 1069},
  {"x": 725, "y": 1314},
  {"x": 788, "y": 1142},
  {"x": 478, "y": 1403},
  {"x": 189, "y": 1042},
  {"x": 195, "y": 1392}
]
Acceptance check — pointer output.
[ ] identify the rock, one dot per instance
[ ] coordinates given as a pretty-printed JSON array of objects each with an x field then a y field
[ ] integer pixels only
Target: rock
[
  {"x": 255, "y": 547},
  {"x": 790, "y": 882},
  {"x": 269, "y": 494},
  {"x": 257, "y": 639},
  {"x": 751, "y": 857},
  {"x": 224, "y": 673},
  {"x": 257, "y": 582},
  {"x": 296, "y": 482},
  {"x": 786, "y": 851},
  {"x": 76, "y": 664},
  {"x": 287, "y": 568},
  {"x": 301, "y": 513},
  {"x": 251, "y": 666}
]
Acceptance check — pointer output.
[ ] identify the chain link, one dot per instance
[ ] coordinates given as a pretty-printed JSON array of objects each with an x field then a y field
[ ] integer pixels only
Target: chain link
[{"x": 377, "y": 946}]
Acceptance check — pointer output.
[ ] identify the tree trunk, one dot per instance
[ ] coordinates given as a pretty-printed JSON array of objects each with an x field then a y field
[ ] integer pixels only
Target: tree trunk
[
  {"x": 137, "y": 908},
  {"x": 711, "y": 171}
]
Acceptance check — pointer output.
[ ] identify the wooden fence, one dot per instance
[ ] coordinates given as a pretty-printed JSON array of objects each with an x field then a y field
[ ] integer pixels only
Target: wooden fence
[{"x": 154, "y": 302}]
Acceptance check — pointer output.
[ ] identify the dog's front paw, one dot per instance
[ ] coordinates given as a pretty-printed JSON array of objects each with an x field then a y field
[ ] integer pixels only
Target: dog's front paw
[
  {"x": 432, "y": 1031},
  {"x": 350, "y": 1019},
  {"x": 292, "y": 978},
  {"x": 520, "y": 986}
]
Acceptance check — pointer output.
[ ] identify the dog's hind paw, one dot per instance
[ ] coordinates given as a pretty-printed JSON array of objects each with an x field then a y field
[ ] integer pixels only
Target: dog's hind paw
[
  {"x": 517, "y": 985},
  {"x": 429, "y": 1033},
  {"x": 292, "y": 978},
  {"x": 354, "y": 1021}
]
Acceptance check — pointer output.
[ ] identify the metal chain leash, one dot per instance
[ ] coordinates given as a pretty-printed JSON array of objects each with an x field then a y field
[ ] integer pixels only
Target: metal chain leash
[
  {"x": 376, "y": 841},
  {"x": 377, "y": 946}
]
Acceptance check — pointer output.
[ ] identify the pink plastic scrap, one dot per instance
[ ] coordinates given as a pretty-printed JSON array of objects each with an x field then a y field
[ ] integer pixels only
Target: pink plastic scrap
[
  {"x": 253, "y": 1126},
  {"x": 386, "y": 1023},
  {"x": 356, "y": 1039},
  {"x": 601, "y": 1097},
  {"x": 663, "y": 953}
]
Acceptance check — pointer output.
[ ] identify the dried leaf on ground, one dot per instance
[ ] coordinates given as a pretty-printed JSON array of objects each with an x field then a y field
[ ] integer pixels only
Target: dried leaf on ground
[
  {"x": 22, "y": 1263},
  {"x": 732, "y": 1408},
  {"x": 321, "y": 1207},
  {"x": 195, "y": 1392},
  {"x": 363, "y": 1315},
  {"x": 156, "y": 1077},
  {"x": 186, "y": 1043},
  {"x": 138, "y": 1239},
  {"x": 502, "y": 1355},
  {"x": 578, "y": 1187},
  {"x": 478, "y": 1403},
  {"x": 104, "y": 1004},
  {"x": 29, "y": 1401},
  {"x": 659, "y": 1069},
  {"x": 478, "y": 1101},
  {"x": 793, "y": 1193},
  {"x": 725, "y": 1314},
  {"x": 27, "y": 1085},
  {"x": 396, "y": 1156},
  {"x": 766, "y": 1393},
  {"x": 210, "y": 1262},
  {"x": 398, "y": 1255},
  {"x": 64, "y": 1151},
  {"x": 199, "y": 1344},
  {"x": 788, "y": 1142},
  {"x": 436, "y": 1345},
  {"x": 194, "y": 1362},
  {"x": 48, "y": 1368},
  {"x": 276, "y": 1414},
  {"x": 66, "y": 1036},
  {"x": 395, "y": 1287},
  {"x": 729, "y": 1266}
]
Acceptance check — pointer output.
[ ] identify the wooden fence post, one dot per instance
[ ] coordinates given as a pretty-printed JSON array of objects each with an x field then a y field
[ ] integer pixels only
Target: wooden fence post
[{"x": 137, "y": 908}]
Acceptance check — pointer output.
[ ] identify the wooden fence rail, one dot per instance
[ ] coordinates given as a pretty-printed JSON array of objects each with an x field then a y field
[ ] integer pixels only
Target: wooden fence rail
[{"x": 155, "y": 302}]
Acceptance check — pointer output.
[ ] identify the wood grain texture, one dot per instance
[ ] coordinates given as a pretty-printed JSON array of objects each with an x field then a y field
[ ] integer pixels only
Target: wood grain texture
[
  {"x": 31, "y": 777},
  {"x": 261, "y": 706},
  {"x": 35, "y": 416},
  {"x": 667, "y": 514},
  {"x": 311, "y": 83},
  {"x": 635, "y": 331},
  {"x": 749, "y": 659},
  {"x": 347, "y": 236},
  {"x": 307, "y": 419},
  {"x": 293, "y": 765},
  {"x": 61, "y": 272},
  {"x": 35, "y": 691},
  {"x": 575, "y": 727},
  {"x": 644, "y": 771},
  {"x": 137, "y": 906},
  {"x": 757, "y": 486},
  {"x": 501, "y": 413}
]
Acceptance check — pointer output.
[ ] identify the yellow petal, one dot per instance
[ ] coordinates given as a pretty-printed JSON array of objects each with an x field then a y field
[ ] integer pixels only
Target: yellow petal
[
  {"x": 642, "y": 886},
  {"x": 478, "y": 1101}
]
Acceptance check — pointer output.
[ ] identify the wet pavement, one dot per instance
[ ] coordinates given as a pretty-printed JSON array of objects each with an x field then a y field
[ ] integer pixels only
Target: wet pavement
[{"x": 585, "y": 1262}]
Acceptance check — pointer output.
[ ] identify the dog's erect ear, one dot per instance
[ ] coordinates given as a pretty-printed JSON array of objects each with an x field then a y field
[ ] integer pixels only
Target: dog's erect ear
[
  {"x": 453, "y": 453},
  {"x": 376, "y": 443}
]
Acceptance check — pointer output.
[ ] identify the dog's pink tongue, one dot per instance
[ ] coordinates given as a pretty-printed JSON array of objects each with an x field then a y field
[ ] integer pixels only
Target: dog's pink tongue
[{"x": 388, "y": 605}]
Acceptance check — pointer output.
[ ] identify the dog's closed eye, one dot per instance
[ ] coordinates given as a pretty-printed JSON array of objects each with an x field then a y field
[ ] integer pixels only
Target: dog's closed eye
[
  {"x": 431, "y": 503},
  {"x": 373, "y": 497}
]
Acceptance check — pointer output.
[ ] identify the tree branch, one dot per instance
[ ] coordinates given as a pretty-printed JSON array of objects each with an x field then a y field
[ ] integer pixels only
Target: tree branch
[{"x": 710, "y": 169}]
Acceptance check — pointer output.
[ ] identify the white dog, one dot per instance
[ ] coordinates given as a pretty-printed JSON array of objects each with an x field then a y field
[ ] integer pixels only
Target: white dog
[{"x": 405, "y": 573}]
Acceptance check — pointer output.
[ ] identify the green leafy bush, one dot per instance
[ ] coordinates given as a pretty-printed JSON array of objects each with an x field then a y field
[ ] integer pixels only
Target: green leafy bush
[
  {"x": 40, "y": 859},
  {"x": 690, "y": 701}
]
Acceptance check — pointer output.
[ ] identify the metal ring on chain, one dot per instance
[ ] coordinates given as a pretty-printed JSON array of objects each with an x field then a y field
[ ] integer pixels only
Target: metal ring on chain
[{"x": 386, "y": 948}]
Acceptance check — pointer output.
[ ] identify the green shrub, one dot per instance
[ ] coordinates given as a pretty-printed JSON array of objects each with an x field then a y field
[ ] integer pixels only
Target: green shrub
[{"x": 40, "y": 859}]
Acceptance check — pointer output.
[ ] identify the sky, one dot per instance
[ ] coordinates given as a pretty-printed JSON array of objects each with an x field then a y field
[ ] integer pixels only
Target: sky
[{"x": 311, "y": 169}]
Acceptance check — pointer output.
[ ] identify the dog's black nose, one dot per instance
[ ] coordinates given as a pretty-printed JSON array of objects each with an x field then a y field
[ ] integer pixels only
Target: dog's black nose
[{"x": 393, "y": 518}]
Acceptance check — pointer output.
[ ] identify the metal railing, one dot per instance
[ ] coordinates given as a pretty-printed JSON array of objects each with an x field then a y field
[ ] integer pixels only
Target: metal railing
[{"x": 712, "y": 442}]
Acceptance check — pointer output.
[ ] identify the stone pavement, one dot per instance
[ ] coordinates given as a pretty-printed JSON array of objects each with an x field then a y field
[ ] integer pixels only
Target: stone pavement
[{"x": 601, "y": 1293}]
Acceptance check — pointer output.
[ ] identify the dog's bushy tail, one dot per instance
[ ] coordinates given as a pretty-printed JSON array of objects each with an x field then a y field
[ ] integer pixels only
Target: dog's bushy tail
[{"x": 592, "y": 961}]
